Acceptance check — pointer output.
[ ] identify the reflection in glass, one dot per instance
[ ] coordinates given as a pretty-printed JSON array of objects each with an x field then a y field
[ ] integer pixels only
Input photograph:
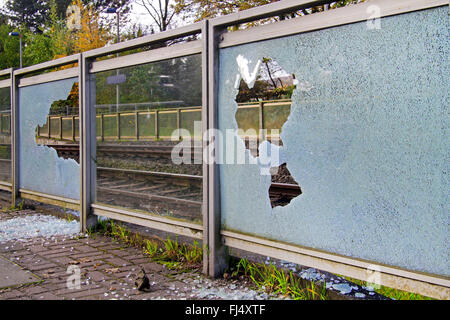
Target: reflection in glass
[
  {"x": 5, "y": 134},
  {"x": 261, "y": 113},
  {"x": 138, "y": 111}
]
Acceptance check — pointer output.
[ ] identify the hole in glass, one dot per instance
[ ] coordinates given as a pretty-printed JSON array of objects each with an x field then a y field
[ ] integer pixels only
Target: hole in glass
[
  {"x": 263, "y": 108},
  {"x": 60, "y": 131}
]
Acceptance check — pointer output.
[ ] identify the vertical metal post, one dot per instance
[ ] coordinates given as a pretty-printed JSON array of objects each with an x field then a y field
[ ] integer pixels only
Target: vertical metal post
[
  {"x": 48, "y": 126},
  {"x": 60, "y": 128},
  {"x": 156, "y": 124},
  {"x": 102, "y": 131},
  {"x": 205, "y": 174},
  {"x": 73, "y": 128},
  {"x": 261, "y": 121},
  {"x": 117, "y": 71},
  {"x": 87, "y": 138},
  {"x": 179, "y": 123},
  {"x": 136, "y": 125},
  {"x": 217, "y": 253},
  {"x": 15, "y": 114},
  {"x": 118, "y": 125}
]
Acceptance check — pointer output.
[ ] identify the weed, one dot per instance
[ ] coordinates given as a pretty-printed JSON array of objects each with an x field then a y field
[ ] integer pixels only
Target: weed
[
  {"x": 170, "y": 253},
  {"x": 270, "y": 279},
  {"x": 18, "y": 207},
  {"x": 151, "y": 248}
]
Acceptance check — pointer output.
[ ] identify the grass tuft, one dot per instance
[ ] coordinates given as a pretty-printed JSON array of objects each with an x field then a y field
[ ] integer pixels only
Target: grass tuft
[
  {"x": 170, "y": 253},
  {"x": 270, "y": 279}
]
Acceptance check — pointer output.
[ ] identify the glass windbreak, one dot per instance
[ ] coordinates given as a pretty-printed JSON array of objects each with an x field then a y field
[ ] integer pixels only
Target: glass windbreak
[
  {"x": 148, "y": 119},
  {"x": 5, "y": 134},
  {"x": 49, "y": 152},
  {"x": 365, "y": 136}
]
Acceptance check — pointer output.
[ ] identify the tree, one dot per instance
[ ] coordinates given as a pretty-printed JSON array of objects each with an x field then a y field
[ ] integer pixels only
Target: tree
[
  {"x": 36, "y": 14},
  {"x": 162, "y": 14},
  {"x": 30, "y": 14},
  {"x": 9, "y": 48},
  {"x": 197, "y": 10},
  {"x": 92, "y": 34},
  {"x": 205, "y": 9}
]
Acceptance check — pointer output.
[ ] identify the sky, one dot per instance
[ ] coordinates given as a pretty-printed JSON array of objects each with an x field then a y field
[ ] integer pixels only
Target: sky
[{"x": 138, "y": 13}]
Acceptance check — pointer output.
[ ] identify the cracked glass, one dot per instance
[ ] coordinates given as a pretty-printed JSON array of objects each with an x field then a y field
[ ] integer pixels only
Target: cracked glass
[{"x": 366, "y": 138}]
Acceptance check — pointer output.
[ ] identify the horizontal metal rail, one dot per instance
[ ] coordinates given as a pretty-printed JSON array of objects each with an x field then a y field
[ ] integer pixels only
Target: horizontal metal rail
[
  {"x": 412, "y": 281},
  {"x": 49, "y": 77},
  {"x": 154, "y": 173},
  {"x": 5, "y": 83},
  {"x": 139, "y": 104},
  {"x": 265, "y": 11},
  {"x": 320, "y": 20},
  {"x": 174, "y": 51},
  {"x": 49, "y": 64},
  {"x": 5, "y": 72},
  {"x": 50, "y": 199},
  {"x": 5, "y": 186},
  {"x": 166, "y": 224},
  {"x": 145, "y": 40}
]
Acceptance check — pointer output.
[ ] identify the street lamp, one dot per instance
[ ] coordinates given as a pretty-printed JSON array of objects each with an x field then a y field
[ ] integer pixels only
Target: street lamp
[
  {"x": 116, "y": 11},
  {"x": 18, "y": 34}
]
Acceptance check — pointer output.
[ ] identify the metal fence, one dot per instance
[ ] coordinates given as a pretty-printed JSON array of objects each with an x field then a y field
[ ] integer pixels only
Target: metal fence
[{"x": 214, "y": 227}]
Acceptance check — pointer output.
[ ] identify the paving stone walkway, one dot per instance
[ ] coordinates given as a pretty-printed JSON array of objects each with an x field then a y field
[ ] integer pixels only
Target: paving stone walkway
[{"x": 107, "y": 269}]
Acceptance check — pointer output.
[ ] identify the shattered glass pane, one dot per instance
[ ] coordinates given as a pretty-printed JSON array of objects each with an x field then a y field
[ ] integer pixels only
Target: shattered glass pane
[
  {"x": 366, "y": 138},
  {"x": 41, "y": 167},
  {"x": 5, "y": 134}
]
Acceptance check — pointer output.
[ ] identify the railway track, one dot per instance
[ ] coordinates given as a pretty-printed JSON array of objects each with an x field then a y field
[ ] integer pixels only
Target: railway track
[
  {"x": 139, "y": 150},
  {"x": 158, "y": 191},
  {"x": 72, "y": 150},
  {"x": 177, "y": 195},
  {"x": 179, "y": 190}
]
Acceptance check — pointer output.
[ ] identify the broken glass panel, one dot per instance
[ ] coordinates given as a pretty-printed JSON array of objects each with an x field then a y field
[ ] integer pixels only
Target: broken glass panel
[
  {"x": 366, "y": 137},
  {"x": 46, "y": 163}
]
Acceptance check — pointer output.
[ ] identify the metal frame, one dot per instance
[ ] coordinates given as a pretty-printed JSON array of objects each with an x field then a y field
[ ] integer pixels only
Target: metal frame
[
  {"x": 50, "y": 199},
  {"x": 321, "y": 20},
  {"x": 393, "y": 277},
  {"x": 157, "y": 222},
  {"x": 19, "y": 80},
  {"x": 14, "y": 137},
  {"x": 213, "y": 38},
  {"x": 7, "y": 83},
  {"x": 49, "y": 77},
  {"x": 89, "y": 209},
  {"x": 174, "y": 51}
]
